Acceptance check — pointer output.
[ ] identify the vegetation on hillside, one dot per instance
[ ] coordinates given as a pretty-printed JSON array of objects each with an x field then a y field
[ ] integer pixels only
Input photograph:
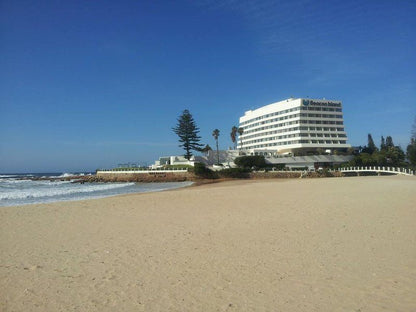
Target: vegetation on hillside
[
  {"x": 203, "y": 172},
  {"x": 387, "y": 155}
]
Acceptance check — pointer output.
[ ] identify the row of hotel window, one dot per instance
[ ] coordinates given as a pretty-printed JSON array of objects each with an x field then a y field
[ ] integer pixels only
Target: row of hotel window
[
  {"x": 296, "y": 142},
  {"x": 292, "y": 116},
  {"x": 292, "y": 129},
  {"x": 303, "y": 108},
  {"x": 305, "y": 135},
  {"x": 295, "y": 122}
]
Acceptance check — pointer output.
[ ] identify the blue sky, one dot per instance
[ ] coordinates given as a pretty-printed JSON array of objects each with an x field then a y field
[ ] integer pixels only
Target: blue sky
[{"x": 90, "y": 84}]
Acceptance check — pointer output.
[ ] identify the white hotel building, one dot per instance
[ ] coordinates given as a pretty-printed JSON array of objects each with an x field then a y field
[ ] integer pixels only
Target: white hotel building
[{"x": 293, "y": 125}]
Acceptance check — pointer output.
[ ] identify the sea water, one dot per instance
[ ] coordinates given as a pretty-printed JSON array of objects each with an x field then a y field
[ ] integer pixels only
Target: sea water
[{"x": 20, "y": 189}]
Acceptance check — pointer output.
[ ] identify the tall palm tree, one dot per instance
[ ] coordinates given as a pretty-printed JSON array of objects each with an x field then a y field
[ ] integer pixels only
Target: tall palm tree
[
  {"x": 233, "y": 134},
  {"x": 240, "y": 133},
  {"x": 216, "y": 134}
]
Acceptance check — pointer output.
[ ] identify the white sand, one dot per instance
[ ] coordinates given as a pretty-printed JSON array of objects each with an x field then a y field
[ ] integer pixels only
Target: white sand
[{"x": 336, "y": 244}]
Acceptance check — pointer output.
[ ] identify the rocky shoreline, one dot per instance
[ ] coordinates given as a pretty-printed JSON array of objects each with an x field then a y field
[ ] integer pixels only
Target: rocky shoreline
[
  {"x": 72, "y": 178},
  {"x": 115, "y": 178},
  {"x": 179, "y": 177}
]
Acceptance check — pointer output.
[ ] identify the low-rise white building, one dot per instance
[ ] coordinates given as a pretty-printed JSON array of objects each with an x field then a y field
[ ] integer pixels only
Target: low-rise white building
[
  {"x": 173, "y": 160},
  {"x": 226, "y": 158},
  {"x": 294, "y": 125}
]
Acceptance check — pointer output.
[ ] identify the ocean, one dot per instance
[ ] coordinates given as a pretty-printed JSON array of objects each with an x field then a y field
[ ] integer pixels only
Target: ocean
[{"x": 20, "y": 189}]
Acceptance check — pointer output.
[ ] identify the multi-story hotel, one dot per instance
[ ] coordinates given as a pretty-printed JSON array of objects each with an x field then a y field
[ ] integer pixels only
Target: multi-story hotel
[{"x": 294, "y": 125}]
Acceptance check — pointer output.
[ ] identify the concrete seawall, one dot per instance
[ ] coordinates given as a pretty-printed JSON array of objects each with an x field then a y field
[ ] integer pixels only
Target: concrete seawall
[
  {"x": 275, "y": 175},
  {"x": 147, "y": 176},
  {"x": 180, "y": 176}
]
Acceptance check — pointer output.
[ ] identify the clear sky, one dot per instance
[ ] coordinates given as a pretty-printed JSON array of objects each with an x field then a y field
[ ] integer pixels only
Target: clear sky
[{"x": 90, "y": 84}]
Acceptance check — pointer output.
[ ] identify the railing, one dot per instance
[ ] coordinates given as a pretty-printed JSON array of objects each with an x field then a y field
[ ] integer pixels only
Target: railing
[
  {"x": 130, "y": 170},
  {"x": 395, "y": 170}
]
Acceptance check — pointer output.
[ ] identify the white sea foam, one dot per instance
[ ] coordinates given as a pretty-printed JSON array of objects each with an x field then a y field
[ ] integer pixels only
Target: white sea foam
[
  {"x": 63, "y": 175},
  {"x": 5, "y": 182},
  {"x": 58, "y": 191},
  {"x": 15, "y": 191},
  {"x": 14, "y": 181}
]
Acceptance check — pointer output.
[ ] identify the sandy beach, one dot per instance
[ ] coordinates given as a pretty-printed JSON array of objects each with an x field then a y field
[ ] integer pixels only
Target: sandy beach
[{"x": 331, "y": 244}]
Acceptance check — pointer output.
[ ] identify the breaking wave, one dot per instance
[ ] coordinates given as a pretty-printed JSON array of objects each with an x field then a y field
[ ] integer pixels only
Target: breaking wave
[
  {"x": 59, "y": 191},
  {"x": 15, "y": 191}
]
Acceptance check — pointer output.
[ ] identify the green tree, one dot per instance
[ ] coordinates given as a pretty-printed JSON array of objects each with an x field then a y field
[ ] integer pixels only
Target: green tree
[
  {"x": 411, "y": 152},
  {"x": 411, "y": 148},
  {"x": 187, "y": 132},
  {"x": 240, "y": 131},
  {"x": 388, "y": 155},
  {"x": 389, "y": 142},
  {"x": 396, "y": 156},
  {"x": 382, "y": 144},
  {"x": 216, "y": 134},
  {"x": 371, "y": 147},
  {"x": 367, "y": 159},
  {"x": 233, "y": 135}
]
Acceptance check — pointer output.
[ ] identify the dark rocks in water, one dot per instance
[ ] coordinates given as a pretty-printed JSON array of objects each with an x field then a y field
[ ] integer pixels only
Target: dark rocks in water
[{"x": 73, "y": 179}]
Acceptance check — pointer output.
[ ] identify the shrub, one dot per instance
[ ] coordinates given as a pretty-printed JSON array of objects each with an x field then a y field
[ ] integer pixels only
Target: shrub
[
  {"x": 257, "y": 161},
  {"x": 203, "y": 172}
]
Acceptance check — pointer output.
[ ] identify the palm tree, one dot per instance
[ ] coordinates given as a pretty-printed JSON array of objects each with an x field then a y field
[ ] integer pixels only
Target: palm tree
[
  {"x": 216, "y": 134},
  {"x": 233, "y": 134},
  {"x": 240, "y": 133}
]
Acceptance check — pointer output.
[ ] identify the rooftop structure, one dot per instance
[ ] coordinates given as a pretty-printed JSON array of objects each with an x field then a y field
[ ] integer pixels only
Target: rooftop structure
[{"x": 294, "y": 126}]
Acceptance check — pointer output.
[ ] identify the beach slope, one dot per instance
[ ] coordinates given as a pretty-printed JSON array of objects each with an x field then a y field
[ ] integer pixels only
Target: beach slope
[{"x": 333, "y": 244}]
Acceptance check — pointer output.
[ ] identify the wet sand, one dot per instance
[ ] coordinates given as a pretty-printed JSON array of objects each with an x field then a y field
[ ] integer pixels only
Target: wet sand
[{"x": 333, "y": 244}]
